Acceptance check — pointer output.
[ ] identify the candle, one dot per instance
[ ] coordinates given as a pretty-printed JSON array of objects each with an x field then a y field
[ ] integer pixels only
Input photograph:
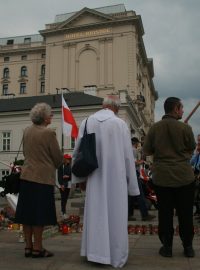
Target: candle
[{"x": 65, "y": 229}]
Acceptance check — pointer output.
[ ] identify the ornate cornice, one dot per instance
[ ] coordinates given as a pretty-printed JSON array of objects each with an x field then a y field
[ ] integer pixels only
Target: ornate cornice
[
  {"x": 23, "y": 79},
  {"x": 5, "y": 80},
  {"x": 69, "y": 29},
  {"x": 21, "y": 49}
]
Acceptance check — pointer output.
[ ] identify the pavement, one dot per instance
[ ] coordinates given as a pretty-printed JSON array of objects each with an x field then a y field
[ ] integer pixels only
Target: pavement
[{"x": 143, "y": 248}]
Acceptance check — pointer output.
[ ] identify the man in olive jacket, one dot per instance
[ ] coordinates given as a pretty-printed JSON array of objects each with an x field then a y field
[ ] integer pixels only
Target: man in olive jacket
[{"x": 171, "y": 143}]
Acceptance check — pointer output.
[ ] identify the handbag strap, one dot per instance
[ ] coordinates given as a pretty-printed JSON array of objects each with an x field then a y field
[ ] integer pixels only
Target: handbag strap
[
  {"x": 19, "y": 149},
  {"x": 17, "y": 155},
  {"x": 85, "y": 129}
]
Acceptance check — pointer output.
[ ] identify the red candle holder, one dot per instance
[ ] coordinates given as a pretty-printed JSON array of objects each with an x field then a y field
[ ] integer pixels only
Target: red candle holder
[
  {"x": 144, "y": 229},
  {"x": 10, "y": 226},
  {"x": 150, "y": 229},
  {"x": 137, "y": 229},
  {"x": 155, "y": 229},
  {"x": 130, "y": 229},
  {"x": 65, "y": 229}
]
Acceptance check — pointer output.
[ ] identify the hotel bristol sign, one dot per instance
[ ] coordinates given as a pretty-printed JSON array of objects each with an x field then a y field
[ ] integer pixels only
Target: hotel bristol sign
[{"x": 86, "y": 34}]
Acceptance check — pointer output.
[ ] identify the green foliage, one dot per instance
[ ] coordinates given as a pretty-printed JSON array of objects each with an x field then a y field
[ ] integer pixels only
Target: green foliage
[{"x": 19, "y": 162}]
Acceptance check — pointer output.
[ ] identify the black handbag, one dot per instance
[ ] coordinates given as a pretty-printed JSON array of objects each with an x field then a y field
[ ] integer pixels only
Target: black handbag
[
  {"x": 12, "y": 181},
  {"x": 86, "y": 160}
]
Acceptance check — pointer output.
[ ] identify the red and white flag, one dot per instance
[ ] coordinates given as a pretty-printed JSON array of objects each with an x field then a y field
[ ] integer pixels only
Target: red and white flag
[{"x": 69, "y": 125}]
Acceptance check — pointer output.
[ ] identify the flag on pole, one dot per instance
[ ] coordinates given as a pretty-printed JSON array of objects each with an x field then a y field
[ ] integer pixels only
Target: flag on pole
[{"x": 69, "y": 125}]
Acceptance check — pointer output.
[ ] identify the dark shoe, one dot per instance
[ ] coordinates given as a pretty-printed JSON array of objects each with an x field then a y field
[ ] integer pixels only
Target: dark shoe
[
  {"x": 148, "y": 218},
  {"x": 165, "y": 251},
  {"x": 131, "y": 218},
  {"x": 41, "y": 253},
  {"x": 28, "y": 252},
  {"x": 189, "y": 252}
]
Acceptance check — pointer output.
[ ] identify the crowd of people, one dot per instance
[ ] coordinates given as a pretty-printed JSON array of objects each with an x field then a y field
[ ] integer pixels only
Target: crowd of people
[
  {"x": 112, "y": 189},
  {"x": 141, "y": 200}
]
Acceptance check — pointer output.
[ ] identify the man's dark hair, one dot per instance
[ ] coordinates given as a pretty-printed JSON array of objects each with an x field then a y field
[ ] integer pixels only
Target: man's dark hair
[
  {"x": 134, "y": 140},
  {"x": 170, "y": 103}
]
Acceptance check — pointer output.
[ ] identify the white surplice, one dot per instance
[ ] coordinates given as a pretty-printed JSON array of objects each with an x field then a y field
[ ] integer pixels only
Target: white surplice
[{"x": 105, "y": 235}]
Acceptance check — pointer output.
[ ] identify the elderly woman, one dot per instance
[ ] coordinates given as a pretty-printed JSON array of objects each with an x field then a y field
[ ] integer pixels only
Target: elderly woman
[{"x": 36, "y": 203}]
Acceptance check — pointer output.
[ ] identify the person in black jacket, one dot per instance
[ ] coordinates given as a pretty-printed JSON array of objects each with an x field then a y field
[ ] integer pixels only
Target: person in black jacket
[{"x": 64, "y": 180}]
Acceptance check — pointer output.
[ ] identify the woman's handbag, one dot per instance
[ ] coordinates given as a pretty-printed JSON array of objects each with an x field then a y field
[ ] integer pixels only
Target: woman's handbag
[
  {"x": 86, "y": 160},
  {"x": 12, "y": 181}
]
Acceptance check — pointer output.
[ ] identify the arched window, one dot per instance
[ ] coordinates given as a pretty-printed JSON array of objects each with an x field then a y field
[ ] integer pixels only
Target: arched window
[
  {"x": 23, "y": 71},
  {"x": 6, "y": 73},
  {"x": 43, "y": 70}
]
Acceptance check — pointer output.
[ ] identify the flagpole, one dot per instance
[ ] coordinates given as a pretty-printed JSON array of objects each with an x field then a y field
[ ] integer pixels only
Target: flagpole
[
  {"x": 70, "y": 128},
  {"x": 62, "y": 136},
  {"x": 192, "y": 112},
  {"x": 62, "y": 142}
]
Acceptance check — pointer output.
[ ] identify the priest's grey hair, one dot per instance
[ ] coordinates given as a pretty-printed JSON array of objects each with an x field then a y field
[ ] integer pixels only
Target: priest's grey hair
[
  {"x": 112, "y": 101},
  {"x": 39, "y": 113}
]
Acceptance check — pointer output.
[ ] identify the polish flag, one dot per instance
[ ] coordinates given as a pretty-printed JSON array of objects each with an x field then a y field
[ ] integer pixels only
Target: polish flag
[{"x": 69, "y": 125}]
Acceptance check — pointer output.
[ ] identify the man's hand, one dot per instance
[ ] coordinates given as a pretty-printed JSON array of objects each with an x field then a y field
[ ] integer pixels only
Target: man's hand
[
  {"x": 62, "y": 187},
  {"x": 139, "y": 162}
]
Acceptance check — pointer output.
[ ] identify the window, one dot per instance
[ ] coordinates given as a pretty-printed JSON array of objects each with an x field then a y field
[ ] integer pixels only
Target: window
[
  {"x": 23, "y": 71},
  {"x": 27, "y": 40},
  {"x": 22, "y": 88},
  {"x": 6, "y": 58},
  {"x": 43, "y": 70},
  {"x": 24, "y": 57},
  {"x": 6, "y": 140},
  {"x": 5, "y": 89},
  {"x": 72, "y": 142},
  {"x": 6, "y": 73},
  {"x": 43, "y": 55},
  {"x": 10, "y": 41},
  {"x": 42, "y": 87}
]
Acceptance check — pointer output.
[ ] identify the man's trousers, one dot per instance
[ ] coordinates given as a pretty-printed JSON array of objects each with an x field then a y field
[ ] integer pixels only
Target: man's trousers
[{"x": 180, "y": 199}]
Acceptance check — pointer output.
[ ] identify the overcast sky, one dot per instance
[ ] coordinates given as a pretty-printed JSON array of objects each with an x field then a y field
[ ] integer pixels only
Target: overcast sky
[{"x": 172, "y": 39}]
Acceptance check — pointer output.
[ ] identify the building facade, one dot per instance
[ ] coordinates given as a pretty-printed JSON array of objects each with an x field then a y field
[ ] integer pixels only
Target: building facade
[{"x": 96, "y": 51}]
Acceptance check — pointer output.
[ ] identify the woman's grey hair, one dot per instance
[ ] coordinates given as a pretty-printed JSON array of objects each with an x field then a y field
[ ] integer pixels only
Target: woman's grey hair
[
  {"x": 39, "y": 113},
  {"x": 112, "y": 101}
]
